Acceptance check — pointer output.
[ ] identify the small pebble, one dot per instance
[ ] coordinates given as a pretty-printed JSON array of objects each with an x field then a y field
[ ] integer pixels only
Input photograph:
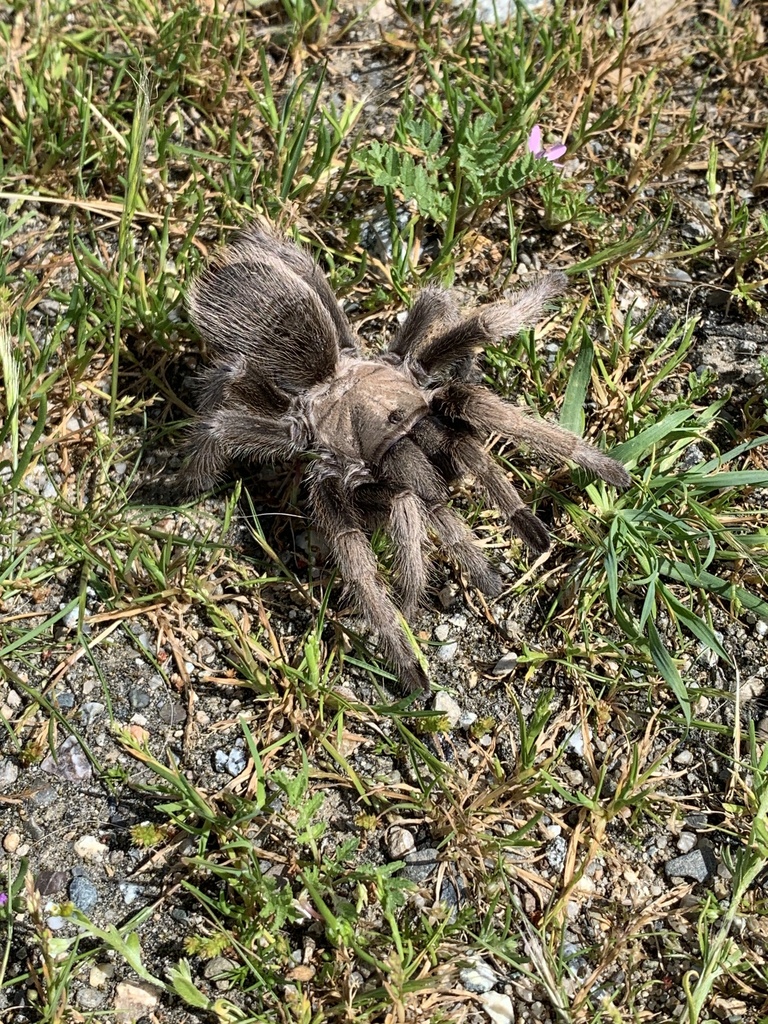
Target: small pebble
[
  {"x": 90, "y": 711},
  {"x": 90, "y": 998},
  {"x": 443, "y": 631},
  {"x": 11, "y": 842},
  {"x": 48, "y": 883},
  {"x": 172, "y": 713},
  {"x": 448, "y": 707},
  {"x": 684, "y": 757},
  {"x": 480, "y": 977},
  {"x": 686, "y": 842},
  {"x": 134, "y": 999},
  {"x": 576, "y": 742},
  {"x": 219, "y": 965},
  {"x": 498, "y": 1006},
  {"x": 90, "y": 849},
  {"x": 232, "y": 763},
  {"x": 71, "y": 762},
  {"x": 400, "y": 842},
  {"x": 130, "y": 891},
  {"x": 100, "y": 974},
  {"x": 9, "y": 772},
  {"x": 505, "y": 664},
  {"x": 761, "y": 627},
  {"x": 467, "y": 719},
  {"x": 138, "y": 699},
  {"x": 448, "y": 651},
  {"x": 83, "y": 893},
  {"x": 555, "y": 853},
  {"x": 698, "y": 864}
]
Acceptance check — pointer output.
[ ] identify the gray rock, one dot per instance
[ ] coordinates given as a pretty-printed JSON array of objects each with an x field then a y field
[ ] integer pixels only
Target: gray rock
[
  {"x": 217, "y": 967},
  {"x": 138, "y": 698},
  {"x": 48, "y": 883},
  {"x": 83, "y": 893},
  {"x": 9, "y": 772},
  {"x": 172, "y": 713},
  {"x": 698, "y": 864},
  {"x": 130, "y": 891},
  {"x": 90, "y": 998},
  {"x": 43, "y": 797},
  {"x": 505, "y": 664},
  {"x": 448, "y": 651},
  {"x": 419, "y": 864},
  {"x": 70, "y": 763},
  {"x": 555, "y": 853},
  {"x": 90, "y": 711},
  {"x": 232, "y": 763},
  {"x": 480, "y": 977},
  {"x": 400, "y": 842},
  {"x": 65, "y": 700}
]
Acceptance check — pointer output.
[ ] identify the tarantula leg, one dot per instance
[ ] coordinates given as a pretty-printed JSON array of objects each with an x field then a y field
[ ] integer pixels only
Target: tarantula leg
[
  {"x": 463, "y": 456},
  {"x": 409, "y": 535},
  {"x": 434, "y": 308},
  {"x": 473, "y": 333},
  {"x": 357, "y": 564},
  {"x": 458, "y": 543},
  {"x": 230, "y": 434},
  {"x": 206, "y": 461},
  {"x": 405, "y": 523},
  {"x": 408, "y": 466},
  {"x": 488, "y": 413}
]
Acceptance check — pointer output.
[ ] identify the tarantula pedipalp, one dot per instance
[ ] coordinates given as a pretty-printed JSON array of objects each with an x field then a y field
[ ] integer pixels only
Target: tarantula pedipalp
[{"x": 389, "y": 433}]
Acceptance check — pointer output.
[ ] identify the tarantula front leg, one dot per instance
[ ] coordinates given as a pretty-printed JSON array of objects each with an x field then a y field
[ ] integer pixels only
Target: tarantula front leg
[
  {"x": 488, "y": 413},
  {"x": 341, "y": 526},
  {"x": 404, "y": 521},
  {"x": 434, "y": 308},
  {"x": 461, "y": 455},
  {"x": 406, "y": 465},
  {"x": 456, "y": 348},
  {"x": 214, "y": 443}
]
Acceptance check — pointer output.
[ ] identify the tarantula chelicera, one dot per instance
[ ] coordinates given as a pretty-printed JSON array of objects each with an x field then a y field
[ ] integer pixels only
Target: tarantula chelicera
[{"x": 388, "y": 433}]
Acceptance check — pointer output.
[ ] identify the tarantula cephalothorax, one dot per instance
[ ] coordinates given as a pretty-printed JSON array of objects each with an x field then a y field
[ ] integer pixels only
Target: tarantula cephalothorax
[{"x": 389, "y": 433}]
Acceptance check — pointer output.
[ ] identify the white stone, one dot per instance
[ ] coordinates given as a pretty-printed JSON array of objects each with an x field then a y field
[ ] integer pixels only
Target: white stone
[
  {"x": 89, "y": 848},
  {"x": 480, "y": 977},
  {"x": 498, "y": 1007},
  {"x": 400, "y": 842},
  {"x": 448, "y": 651},
  {"x": 686, "y": 842},
  {"x": 100, "y": 975},
  {"x": 443, "y": 631},
  {"x": 448, "y": 707},
  {"x": 135, "y": 999}
]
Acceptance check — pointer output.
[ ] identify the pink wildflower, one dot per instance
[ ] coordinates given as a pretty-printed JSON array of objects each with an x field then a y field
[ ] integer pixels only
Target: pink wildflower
[{"x": 542, "y": 152}]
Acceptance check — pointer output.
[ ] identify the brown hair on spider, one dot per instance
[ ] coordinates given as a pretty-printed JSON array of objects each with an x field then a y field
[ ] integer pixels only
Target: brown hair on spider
[{"x": 389, "y": 433}]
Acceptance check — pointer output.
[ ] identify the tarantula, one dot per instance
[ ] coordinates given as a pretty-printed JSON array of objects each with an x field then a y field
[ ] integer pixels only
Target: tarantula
[{"x": 389, "y": 433}]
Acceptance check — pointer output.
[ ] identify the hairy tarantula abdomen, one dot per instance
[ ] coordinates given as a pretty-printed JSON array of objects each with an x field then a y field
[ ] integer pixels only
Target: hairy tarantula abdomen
[{"x": 388, "y": 434}]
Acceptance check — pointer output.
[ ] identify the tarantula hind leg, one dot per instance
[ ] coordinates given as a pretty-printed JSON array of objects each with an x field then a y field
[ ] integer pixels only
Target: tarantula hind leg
[
  {"x": 341, "y": 527},
  {"x": 229, "y": 434}
]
